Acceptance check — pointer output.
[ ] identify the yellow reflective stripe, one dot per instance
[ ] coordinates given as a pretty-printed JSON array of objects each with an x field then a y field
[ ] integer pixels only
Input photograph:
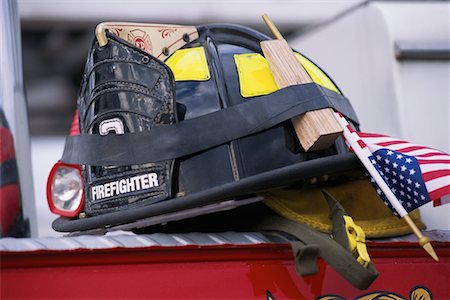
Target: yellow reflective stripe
[
  {"x": 189, "y": 64},
  {"x": 316, "y": 74},
  {"x": 357, "y": 241},
  {"x": 255, "y": 78}
]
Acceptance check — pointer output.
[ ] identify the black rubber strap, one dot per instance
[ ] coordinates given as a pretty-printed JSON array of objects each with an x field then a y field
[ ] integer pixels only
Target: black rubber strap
[{"x": 207, "y": 131}]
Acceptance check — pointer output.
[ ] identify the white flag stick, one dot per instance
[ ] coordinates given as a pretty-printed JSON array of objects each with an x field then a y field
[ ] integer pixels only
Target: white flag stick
[{"x": 363, "y": 153}]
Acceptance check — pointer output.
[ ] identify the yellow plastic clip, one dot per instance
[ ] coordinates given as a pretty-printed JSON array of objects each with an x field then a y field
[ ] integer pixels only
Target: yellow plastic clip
[{"x": 357, "y": 241}]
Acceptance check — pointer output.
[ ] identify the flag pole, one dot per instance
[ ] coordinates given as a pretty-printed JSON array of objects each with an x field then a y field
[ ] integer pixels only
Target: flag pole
[
  {"x": 363, "y": 154},
  {"x": 423, "y": 240}
]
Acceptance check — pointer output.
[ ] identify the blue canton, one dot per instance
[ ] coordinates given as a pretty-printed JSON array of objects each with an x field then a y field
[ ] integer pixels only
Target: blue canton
[{"x": 403, "y": 176}]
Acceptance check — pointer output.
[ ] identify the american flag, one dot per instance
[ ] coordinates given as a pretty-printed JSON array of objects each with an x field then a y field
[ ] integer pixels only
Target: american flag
[{"x": 415, "y": 174}]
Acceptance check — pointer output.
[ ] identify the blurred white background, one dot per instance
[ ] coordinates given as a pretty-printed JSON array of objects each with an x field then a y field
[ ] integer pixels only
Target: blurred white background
[{"x": 352, "y": 40}]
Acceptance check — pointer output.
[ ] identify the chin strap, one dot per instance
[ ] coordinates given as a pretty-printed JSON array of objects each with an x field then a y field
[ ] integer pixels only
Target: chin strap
[
  {"x": 345, "y": 252},
  {"x": 346, "y": 232}
]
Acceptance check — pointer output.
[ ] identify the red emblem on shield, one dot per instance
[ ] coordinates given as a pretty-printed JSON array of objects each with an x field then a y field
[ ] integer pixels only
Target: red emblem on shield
[
  {"x": 167, "y": 32},
  {"x": 115, "y": 31},
  {"x": 140, "y": 39}
]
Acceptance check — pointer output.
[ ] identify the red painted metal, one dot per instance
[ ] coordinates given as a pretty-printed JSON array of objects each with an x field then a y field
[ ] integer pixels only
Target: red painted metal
[
  {"x": 207, "y": 272},
  {"x": 9, "y": 189},
  {"x": 6, "y": 145},
  {"x": 75, "y": 127},
  {"x": 9, "y": 206}
]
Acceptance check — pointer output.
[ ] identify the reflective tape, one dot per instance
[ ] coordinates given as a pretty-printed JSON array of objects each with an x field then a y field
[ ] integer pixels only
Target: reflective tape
[
  {"x": 189, "y": 64},
  {"x": 255, "y": 77}
]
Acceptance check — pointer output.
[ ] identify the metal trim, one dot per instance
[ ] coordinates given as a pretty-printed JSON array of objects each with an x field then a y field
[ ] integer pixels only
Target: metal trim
[{"x": 422, "y": 50}]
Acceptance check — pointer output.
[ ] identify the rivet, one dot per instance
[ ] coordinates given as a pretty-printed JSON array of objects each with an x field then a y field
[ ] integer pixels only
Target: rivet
[
  {"x": 186, "y": 38},
  {"x": 180, "y": 194},
  {"x": 165, "y": 51},
  {"x": 145, "y": 59},
  {"x": 312, "y": 180},
  {"x": 324, "y": 178}
]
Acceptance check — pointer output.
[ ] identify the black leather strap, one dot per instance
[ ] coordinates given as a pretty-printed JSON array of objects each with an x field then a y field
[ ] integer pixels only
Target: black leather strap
[{"x": 194, "y": 135}]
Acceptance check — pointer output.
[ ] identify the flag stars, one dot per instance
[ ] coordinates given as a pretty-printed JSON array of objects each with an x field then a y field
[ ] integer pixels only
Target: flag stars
[{"x": 403, "y": 175}]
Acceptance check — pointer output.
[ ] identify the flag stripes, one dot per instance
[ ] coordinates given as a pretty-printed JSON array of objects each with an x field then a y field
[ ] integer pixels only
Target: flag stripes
[{"x": 415, "y": 174}]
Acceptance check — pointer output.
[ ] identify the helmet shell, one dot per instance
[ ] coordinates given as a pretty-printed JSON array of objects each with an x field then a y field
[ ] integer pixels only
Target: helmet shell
[{"x": 261, "y": 161}]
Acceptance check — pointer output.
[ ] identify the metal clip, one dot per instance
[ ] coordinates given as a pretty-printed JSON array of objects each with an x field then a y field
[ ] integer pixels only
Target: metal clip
[
  {"x": 100, "y": 34},
  {"x": 357, "y": 241}
]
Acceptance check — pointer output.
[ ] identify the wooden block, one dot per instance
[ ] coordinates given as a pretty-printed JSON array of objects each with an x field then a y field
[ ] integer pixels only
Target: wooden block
[{"x": 317, "y": 129}]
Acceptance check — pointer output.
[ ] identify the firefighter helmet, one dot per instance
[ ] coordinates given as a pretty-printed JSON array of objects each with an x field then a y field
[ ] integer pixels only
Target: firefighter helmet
[{"x": 206, "y": 125}]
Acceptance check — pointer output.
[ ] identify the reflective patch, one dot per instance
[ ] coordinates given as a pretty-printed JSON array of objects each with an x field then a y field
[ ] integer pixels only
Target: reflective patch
[
  {"x": 124, "y": 186},
  {"x": 255, "y": 78},
  {"x": 114, "y": 124},
  {"x": 316, "y": 74},
  {"x": 189, "y": 64}
]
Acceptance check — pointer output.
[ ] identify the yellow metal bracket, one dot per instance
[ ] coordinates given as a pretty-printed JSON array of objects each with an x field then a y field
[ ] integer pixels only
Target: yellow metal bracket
[{"x": 357, "y": 241}]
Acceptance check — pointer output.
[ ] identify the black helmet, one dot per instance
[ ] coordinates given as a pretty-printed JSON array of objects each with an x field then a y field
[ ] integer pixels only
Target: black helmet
[{"x": 206, "y": 125}]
